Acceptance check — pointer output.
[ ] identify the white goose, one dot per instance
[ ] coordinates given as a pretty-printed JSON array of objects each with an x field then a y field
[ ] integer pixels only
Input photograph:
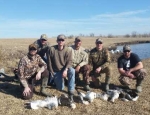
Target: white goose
[
  {"x": 49, "y": 102},
  {"x": 103, "y": 96},
  {"x": 113, "y": 95},
  {"x": 90, "y": 96}
]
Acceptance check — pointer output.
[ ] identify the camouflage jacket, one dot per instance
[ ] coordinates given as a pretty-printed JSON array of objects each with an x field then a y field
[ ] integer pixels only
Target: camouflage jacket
[
  {"x": 28, "y": 66},
  {"x": 80, "y": 57},
  {"x": 42, "y": 49},
  {"x": 99, "y": 58}
]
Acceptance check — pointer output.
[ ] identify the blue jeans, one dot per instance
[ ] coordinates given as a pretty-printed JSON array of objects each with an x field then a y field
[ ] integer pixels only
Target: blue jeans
[{"x": 59, "y": 80}]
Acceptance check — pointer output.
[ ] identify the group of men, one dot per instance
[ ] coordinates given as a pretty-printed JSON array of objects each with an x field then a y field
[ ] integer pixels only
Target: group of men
[{"x": 60, "y": 62}]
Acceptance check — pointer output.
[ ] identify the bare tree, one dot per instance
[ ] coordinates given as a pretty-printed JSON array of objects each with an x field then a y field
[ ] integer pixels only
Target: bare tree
[
  {"x": 145, "y": 35},
  {"x": 110, "y": 36},
  {"x": 134, "y": 34},
  {"x": 71, "y": 37},
  {"x": 127, "y": 36},
  {"x": 81, "y": 34},
  {"x": 91, "y": 34}
]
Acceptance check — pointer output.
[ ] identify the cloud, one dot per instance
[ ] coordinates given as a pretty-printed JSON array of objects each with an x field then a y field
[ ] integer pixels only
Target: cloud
[
  {"x": 112, "y": 23},
  {"x": 122, "y": 14}
]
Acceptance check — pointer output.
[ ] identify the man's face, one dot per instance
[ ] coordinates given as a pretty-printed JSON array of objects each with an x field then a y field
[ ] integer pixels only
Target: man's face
[
  {"x": 32, "y": 51},
  {"x": 43, "y": 41},
  {"x": 61, "y": 42},
  {"x": 127, "y": 53},
  {"x": 99, "y": 45},
  {"x": 77, "y": 43}
]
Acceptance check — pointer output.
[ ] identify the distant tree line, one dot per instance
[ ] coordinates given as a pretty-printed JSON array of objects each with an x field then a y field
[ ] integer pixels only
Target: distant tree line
[{"x": 133, "y": 34}]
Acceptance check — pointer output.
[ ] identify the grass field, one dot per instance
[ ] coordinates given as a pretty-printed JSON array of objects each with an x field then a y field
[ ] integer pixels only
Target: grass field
[{"x": 11, "y": 50}]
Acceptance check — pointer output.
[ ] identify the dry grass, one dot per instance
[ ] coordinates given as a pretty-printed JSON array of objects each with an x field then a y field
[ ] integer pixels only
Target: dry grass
[{"x": 11, "y": 103}]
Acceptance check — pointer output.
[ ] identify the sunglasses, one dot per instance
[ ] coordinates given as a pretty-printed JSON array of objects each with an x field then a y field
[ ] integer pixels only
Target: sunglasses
[
  {"x": 77, "y": 40},
  {"x": 126, "y": 51},
  {"x": 43, "y": 40},
  {"x": 98, "y": 42},
  {"x": 32, "y": 49},
  {"x": 60, "y": 40}
]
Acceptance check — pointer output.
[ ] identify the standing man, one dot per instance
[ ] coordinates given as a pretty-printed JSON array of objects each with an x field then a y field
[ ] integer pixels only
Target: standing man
[
  {"x": 99, "y": 60},
  {"x": 130, "y": 67},
  {"x": 42, "y": 46},
  {"x": 60, "y": 65},
  {"x": 32, "y": 67},
  {"x": 80, "y": 61}
]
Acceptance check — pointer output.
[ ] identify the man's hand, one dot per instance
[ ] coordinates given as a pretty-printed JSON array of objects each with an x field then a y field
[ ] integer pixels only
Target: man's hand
[
  {"x": 129, "y": 74},
  {"x": 64, "y": 73},
  {"x": 26, "y": 91},
  {"x": 77, "y": 69},
  {"x": 98, "y": 70},
  {"x": 38, "y": 76}
]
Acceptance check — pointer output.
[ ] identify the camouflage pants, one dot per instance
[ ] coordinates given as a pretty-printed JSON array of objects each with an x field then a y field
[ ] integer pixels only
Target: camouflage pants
[
  {"x": 139, "y": 74},
  {"x": 86, "y": 72},
  {"x": 107, "y": 71},
  {"x": 31, "y": 81}
]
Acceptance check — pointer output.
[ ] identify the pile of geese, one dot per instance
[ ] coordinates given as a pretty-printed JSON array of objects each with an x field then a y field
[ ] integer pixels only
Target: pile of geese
[{"x": 85, "y": 98}]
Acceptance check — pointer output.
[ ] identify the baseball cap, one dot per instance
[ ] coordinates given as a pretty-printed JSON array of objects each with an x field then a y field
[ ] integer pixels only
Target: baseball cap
[
  {"x": 61, "y": 36},
  {"x": 33, "y": 46},
  {"x": 126, "y": 48},
  {"x": 99, "y": 40},
  {"x": 78, "y": 39},
  {"x": 44, "y": 36}
]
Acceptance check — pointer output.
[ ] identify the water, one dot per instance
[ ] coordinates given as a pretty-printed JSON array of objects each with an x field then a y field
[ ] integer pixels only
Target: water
[{"x": 143, "y": 49}]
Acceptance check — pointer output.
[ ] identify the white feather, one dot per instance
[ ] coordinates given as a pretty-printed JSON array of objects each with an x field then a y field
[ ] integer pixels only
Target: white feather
[
  {"x": 49, "y": 102},
  {"x": 113, "y": 94},
  {"x": 135, "y": 99}
]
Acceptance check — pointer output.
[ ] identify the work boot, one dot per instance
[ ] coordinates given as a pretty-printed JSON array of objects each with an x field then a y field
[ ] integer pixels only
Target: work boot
[
  {"x": 70, "y": 96},
  {"x": 43, "y": 87},
  {"x": 107, "y": 79},
  {"x": 97, "y": 83},
  {"x": 87, "y": 88},
  {"x": 106, "y": 88},
  {"x": 71, "y": 101},
  {"x": 71, "y": 92},
  {"x": 139, "y": 89},
  {"x": 138, "y": 85}
]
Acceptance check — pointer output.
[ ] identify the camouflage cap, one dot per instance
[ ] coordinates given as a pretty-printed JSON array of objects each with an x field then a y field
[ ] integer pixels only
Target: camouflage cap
[
  {"x": 99, "y": 40},
  {"x": 78, "y": 39},
  {"x": 61, "y": 36},
  {"x": 32, "y": 46},
  {"x": 126, "y": 47},
  {"x": 44, "y": 36}
]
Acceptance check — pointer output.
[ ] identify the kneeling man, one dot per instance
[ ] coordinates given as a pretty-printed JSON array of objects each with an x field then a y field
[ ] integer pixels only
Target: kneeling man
[{"x": 130, "y": 67}]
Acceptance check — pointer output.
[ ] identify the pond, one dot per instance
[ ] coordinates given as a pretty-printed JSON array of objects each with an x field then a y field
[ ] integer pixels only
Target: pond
[{"x": 143, "y": 49}]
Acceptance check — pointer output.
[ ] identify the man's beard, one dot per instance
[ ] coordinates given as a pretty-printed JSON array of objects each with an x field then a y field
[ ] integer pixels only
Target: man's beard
[{"x": 31, "y": 55}]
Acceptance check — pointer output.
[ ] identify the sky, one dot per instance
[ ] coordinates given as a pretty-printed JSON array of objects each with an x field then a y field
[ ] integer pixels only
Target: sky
[{"x": 31, "y": 18}]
